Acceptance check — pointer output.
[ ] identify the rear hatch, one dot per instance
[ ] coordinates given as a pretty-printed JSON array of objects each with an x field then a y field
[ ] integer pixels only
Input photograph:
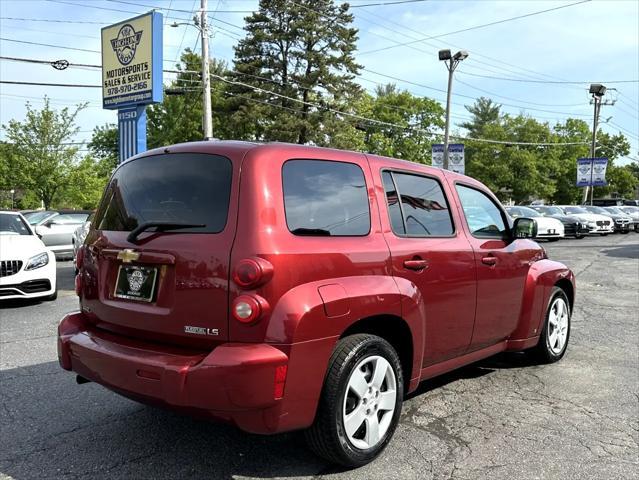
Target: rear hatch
[{"x": 157, "y": 259}]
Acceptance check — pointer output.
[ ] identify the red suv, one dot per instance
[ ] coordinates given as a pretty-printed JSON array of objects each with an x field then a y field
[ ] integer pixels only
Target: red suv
[{"x": 283, "y": 287}]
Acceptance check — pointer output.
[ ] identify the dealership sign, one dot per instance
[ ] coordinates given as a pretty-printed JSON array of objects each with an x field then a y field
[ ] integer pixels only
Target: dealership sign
[
  {"x": 132, "y": 62},
  {"x": 132, "y": 76},
  {"x": 591, "y": 172},
  {"x": 456, "y": 161}
]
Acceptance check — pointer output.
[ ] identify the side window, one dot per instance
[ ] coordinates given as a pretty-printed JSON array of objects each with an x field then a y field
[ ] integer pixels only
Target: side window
[
  {"x": 422, "y": 211},
  {"x": 392, "y": 200},
  {"x": 325, "y": 198},
  {"x": 483, "y": 216}
]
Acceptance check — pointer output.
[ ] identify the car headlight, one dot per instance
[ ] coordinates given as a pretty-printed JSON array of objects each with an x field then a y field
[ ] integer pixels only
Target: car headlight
[{"x": 37, "y": 261}]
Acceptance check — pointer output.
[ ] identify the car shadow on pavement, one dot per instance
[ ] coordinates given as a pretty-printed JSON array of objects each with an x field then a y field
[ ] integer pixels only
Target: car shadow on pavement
[
  {"x": 53, "y": 427},
  {"x": 501, "y": 361},
  {"x": 20, "y": 302},
  {"x": 625, "y": 251}
]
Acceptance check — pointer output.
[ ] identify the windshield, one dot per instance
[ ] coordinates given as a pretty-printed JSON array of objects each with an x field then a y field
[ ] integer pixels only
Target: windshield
[
  {"x": 36, "y": 217},
  {"x": 529, "y": 212},
  {"x": 631, "y": 209},
  {"x": 575, "y": 210},
  {"x": 186, "y": 188},
  {"x": 614, "y": 210},
  {"x": 551, "y": 210},
  {"x": 597, "y": 210},
  {"x": 13, "y": 225}
]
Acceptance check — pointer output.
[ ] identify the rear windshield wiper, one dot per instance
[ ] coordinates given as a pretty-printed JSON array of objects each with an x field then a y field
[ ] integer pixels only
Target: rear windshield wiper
[
  {"x": 159, "y": 227},
  {"x": 311, "y": 232}
]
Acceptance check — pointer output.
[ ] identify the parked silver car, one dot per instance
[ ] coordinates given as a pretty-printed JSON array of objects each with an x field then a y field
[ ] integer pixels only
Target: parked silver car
[
  {"x": 79, "y": 235},
  {"x": 56, "y": 231}
]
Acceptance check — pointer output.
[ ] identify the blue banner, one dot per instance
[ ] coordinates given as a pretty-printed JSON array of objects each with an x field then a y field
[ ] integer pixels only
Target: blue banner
[{"x": 592, "y": 172}]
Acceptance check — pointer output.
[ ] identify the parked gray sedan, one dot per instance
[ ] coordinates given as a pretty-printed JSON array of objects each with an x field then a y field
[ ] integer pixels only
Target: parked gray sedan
[{"x": 56, "y": 231}]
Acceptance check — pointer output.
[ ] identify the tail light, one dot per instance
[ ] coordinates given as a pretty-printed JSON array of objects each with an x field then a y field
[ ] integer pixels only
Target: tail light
[
  {"x": 252, "y": 272},
  {"x": 249, "y": 308}
]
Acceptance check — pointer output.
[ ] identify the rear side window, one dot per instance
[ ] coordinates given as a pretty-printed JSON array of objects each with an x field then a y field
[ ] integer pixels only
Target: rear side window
[
  {"x": 422, "y": 211},
  {"x": 325, "y": 198},
  {"x": 483, "y": 216},
  {"x": 192, "y": 188}
]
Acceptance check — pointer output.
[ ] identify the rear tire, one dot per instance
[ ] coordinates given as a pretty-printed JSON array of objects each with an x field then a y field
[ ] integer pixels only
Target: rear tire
[
  {"x": 361, "y": 401},
  {"x": 554, "y": 337}
]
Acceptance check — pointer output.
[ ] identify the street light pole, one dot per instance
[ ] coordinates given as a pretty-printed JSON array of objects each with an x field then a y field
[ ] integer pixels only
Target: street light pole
[
  {"x": 13, "y": 199},
  {"x": 206, "y": 77},
  {"x": 451, "y": 62},
  {"x": 598, "y": 91}
]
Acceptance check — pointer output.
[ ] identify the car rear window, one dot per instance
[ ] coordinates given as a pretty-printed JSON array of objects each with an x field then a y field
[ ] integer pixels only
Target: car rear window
[
  {"x": 190, "y": 188},
  {"x": 325, "y": 198}
]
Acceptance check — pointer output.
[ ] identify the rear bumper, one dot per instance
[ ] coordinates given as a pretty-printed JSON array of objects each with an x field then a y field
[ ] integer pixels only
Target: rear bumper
[{"x": 234, "y": 382}]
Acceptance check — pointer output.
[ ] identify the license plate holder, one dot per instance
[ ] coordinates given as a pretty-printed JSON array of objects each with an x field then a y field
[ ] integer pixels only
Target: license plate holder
[{"x": 135, "y": 282}]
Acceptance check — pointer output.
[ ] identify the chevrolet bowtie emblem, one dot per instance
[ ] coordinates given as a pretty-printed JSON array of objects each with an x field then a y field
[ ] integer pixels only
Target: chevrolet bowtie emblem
[{"x": 127, "y": 255}]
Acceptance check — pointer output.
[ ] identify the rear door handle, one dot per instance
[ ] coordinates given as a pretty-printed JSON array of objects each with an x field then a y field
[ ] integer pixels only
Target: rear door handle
[
  {"x": 416, "y": 264},
  {"x": 489, "y": 261}
]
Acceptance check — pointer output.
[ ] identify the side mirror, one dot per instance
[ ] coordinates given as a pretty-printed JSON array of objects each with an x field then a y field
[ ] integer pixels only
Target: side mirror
[
  {"x": 40, "y": 230},
  {"x": 524, "y": 228}
]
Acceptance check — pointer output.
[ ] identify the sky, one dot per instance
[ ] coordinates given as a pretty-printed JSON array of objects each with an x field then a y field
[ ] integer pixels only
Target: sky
[{"x": 521, "y": 63}]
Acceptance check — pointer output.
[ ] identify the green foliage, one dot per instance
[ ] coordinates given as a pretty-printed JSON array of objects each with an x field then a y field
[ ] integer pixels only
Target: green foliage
[
  {"x": 104, "y": 144},
  {"x": 302, "y": 50},
  {"x": 485, "y": 112},
  {"x": 42, "y": 158},
  {"x": 414, "y": 117},
  {"x": 179, "y": 117},
  {"x": 86, "y": 182}
]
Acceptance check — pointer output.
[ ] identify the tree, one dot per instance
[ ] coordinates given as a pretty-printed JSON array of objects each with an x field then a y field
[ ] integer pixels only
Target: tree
[
  {"x": 104, "y": 144},
  {"x": 484, "y": 112},
  {"x": 179, "y": 117},
  {"x": 42, "y": 147},
  {"x": 295, "y": 65},
  {"x": 85, "y": 184},
  {"x": 409, "y": 120}
]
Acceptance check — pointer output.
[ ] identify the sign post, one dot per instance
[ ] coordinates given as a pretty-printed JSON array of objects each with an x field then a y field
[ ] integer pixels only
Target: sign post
[
  {"x": 456, "y": 161},
  {"x": 132, "y": 76},
  {"x": 591, "y": 172}
]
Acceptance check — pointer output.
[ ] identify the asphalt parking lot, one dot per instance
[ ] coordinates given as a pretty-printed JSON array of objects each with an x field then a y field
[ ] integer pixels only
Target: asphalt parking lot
[{"x": 501, "y": 418}]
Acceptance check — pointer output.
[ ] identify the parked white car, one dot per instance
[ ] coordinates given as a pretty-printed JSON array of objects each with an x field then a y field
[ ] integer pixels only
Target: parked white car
[
  {"x": 27, "y": 266},
  {"x": 549, "y": 228},
  {"x": 598, "y": 224}
]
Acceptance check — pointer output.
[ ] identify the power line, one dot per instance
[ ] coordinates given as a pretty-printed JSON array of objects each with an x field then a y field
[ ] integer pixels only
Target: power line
[
  {"x": 169, "y": 9},
  {"x": 370, "y": 71},
  {"x": 49, "y": 20},
  {"x": 384, "y": 4},
  {"x": 539, "y": 12},
  {"x": 584, "y": 82},
  {"x": 49, "y": 45},
  {"x": 44, "y": 84}
]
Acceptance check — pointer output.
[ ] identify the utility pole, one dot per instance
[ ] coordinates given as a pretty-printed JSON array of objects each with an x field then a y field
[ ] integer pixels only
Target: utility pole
[
  {"x": 597, "y": 91},
  {"x": 207, "y": 121},
  {"x": 451, "y": 62}
]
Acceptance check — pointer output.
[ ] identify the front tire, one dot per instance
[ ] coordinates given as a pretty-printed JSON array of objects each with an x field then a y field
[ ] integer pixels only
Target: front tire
[
  {"x": 554, "y": 337},
  {"x": 361, "y": 401}
]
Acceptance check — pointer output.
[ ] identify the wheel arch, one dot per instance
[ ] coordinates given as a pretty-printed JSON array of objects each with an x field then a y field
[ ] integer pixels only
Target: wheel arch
[
  {"x": 394, "y": 330},
  {"x": 569, "y": 289}
]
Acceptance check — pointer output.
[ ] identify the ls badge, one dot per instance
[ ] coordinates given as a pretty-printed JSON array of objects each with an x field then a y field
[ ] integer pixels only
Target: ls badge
[{"x": 201, "y": 330}]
